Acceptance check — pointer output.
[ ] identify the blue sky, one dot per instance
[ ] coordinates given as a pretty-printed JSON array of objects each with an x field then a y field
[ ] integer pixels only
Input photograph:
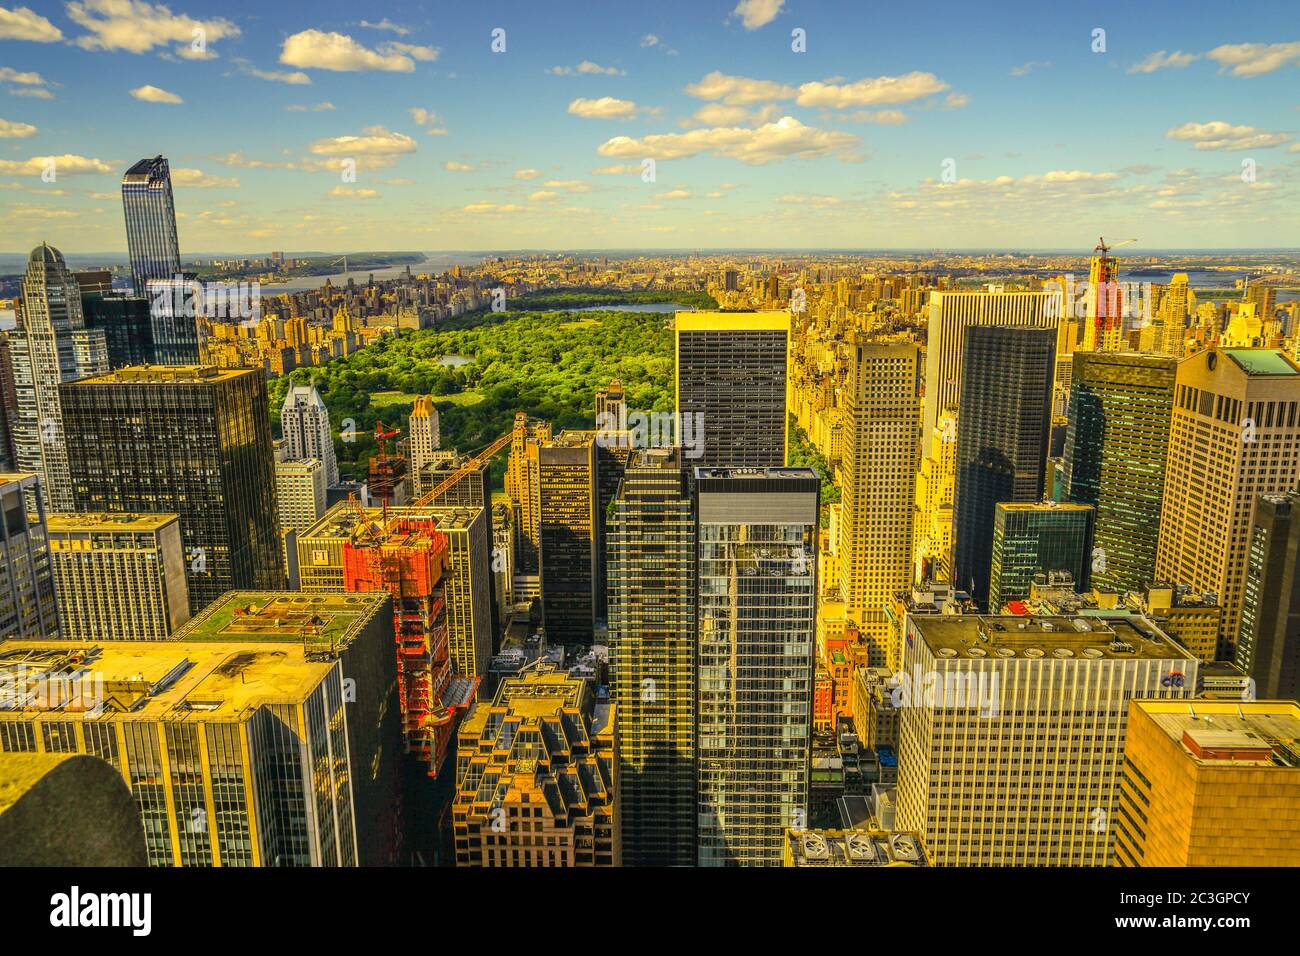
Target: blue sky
[{"x": 907, "y": 125}]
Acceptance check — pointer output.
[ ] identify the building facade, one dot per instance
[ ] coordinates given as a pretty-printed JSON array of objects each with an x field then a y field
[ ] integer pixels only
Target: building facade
[
  {"x": 151, "y": 241},
  {"x": 28, "y": 603}
]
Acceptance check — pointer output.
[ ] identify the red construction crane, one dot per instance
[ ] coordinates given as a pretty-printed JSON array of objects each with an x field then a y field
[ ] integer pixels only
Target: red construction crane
[{"x": 382, "y": 436}]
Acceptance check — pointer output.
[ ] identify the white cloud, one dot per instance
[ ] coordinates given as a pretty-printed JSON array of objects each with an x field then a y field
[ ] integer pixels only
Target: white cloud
[
  {"x": 616, "y": 169},
  {"x": 649, "y": 40},
  {"x": 428, "y": 119},
  {"x": 1161, "y": 60},
  {"x": 606, "y": 107},
  {"x": 12, "y": 130},
  {"x": 1220, "y": 135},
  {"x": 36, "y": 91},
  {"x": 10, "y": 75},
  {"x": 154, "y": 94},
  {"x": 720, "y": 114},
  {"x": 738, "y": 90},
  {"x": 373, "y": 141},
  {"x": 21, "y": 23},
  {"x": 1255, "y": 59},
  {"x": 293, "y": 78},
  {"x": 543, "y": 195},
  {"x": 587, "y": 67},
  {"x": 317, "y": 50},
  {"x": 425, "y": 54},
  {"x": 527, "y": 174},
  {"x": 955, "y": 101},
  {"x": 571, "y": 185},
  {"x": 138, "y": 26},
  {"x": 353, "y": 192},
  {"x": 783, "y": 139},
  {"x": 198, "y": 179},
  {"x": 493, "y": 207},
  {"x": 882, "y": 90},
  {"x": 324, "y": 107},
  {"x": 454, "y": 167},
  {"x": 385, "y": 24},
  {"x": 679, "y": 193},
  {"x": 882, "y": 117},
  {"x": 1026, "y": 68},
  {"x": 67, "y": 164},
  {"x": 757, "y": 13}
]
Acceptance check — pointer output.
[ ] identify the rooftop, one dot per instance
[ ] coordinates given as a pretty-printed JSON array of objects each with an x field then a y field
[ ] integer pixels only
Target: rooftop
[
  {"x": 1256, "y": 733},
  {"x": 1010, "y": 635},
  {"x": 289, "y": 616},
  {"x": 715, "y": 321},
  {"x": 855, "y": 848},
  {"x": 71, "y": 521},
  {"x": 167, "y": 375},
  {"x": 1262, "y": 361}
]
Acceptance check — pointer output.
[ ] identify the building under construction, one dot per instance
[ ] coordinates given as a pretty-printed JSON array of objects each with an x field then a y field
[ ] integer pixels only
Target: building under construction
[{"x": 408, "y": 557}]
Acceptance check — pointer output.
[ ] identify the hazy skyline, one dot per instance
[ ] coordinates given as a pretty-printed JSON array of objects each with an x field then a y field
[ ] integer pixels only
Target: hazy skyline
[{"x": 1048, "y": 143}]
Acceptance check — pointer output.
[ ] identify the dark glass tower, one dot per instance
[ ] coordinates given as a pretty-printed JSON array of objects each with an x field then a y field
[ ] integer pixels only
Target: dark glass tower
[
  {"x": 1268, "y": 648},
  {"x": 150, "y": 222},
  {"x": 651, "y": 536},
  {"x": 1029, "y": 539},
  {"x": 1115, "y": 451},
  {"x": 1006, "y": 408},
  {"x": 191, "y": 440}
]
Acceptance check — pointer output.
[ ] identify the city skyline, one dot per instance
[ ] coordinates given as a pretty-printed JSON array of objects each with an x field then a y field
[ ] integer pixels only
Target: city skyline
[{"x": 848, "y": 145}]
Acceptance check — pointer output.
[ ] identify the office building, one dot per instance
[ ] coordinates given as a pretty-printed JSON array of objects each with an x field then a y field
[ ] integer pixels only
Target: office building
[
  {"x": 932, "y": 516},
  {"x": 118, "y": 576},
  {"x": 756, "y": 597},
  {"x": 1268, "y": 647},
  {"x": 424, "y": 436},
  {"x": 1115, "y": 452},
  {"x": 1234, "y": 436},
  {"x": 8, "y": 405},
  {"x": 731, "y": 387},
  {"x": 150, "y": 222},
  {"x": 28, "y": 605},
  {"x": 570, "y": 535},
  {"x": 536, "y": 777},
  {"x": 52, "y": 345},
  {"x": 651, "y": 546},
  {"x": 523, "y": 488},
  {"x": 1030, "y": 539},
  {"x": 188, "y": 440},
  {"x": 125, "y": 321},
  {"x": 1002, "y": 439},
  {"x": 1210, "y": 783},
  {"x": 1012, "y": 732},
  {"x": 300, "y": 497},
  {"x": 881, "y": 453},
  {"x": 305, "y": 425}
]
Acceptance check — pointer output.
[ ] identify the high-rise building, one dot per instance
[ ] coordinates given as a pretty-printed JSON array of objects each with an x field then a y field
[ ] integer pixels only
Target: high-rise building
[
  {"x": 125, "y": 321},
  {"x": 952, "y": 314},
  {"x": 1030, "y": 539},
  {"x": 467, "y": 590},
  {"x": 1234, "y": 435},
  {"x": 570, "y": 535},
  {"x": 1176, "y": 309},
  {"x": 1115, "y": 452},
  {"x": 118, "y": 576},
  {"x": 52, "y": 345},
  {"x": 1210, "y": 783},
  {"x": 424, "y": 435},
  {"x": 523, "y": 488},
  {"x": 1268, "y": 646},
  {"x": 1002, "y": 440},
  {"x": 932, "y": 517},
  {"x": 300, "y": 497},
  {"x": 150, "y": 222},
  {"x": 731, "y": 387},
  {"x": 756, "y": 596},
  {"x": 28, "y": 604},
  {"x": 881, "y": 452},
  {"x": 407, "y": 556},
  {"x": 305, "y": 425},
  {"x": 652, "y": 657},
  {"x": 237, "y": 751},
  {"x": 8, "y": 405},
  {"x": 188, "y": 440},
  {"x": 1011, "y": 732},
  {"x": 536, "y": 777}
]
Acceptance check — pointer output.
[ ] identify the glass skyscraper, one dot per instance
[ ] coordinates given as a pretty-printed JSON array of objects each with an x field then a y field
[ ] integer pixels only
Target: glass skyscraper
[{"x": 150, "y": 222}]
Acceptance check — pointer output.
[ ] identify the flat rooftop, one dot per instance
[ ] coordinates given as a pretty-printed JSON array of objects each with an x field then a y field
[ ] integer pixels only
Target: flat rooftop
[
  {"x": 154, "y": 680},
  {"x": 72, "y": 521},
  {"x": 290, "y": 616},
  {"x": 730, "y": 472},
  {"x": 339, "y": 520},
  {"x": 855, "y": 848},
  {"x": 769, "y": 320},
  {"x": 1033, "y": 636},
  {"x": 1263, "y": 361},
  {"x": 1230, "y": 727},
  {"x": 166, "y": 375}
]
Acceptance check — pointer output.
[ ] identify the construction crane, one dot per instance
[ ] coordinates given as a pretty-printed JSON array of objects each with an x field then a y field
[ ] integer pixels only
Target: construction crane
[
  {"x": 1102, "y": 248},
  {"x": 489, "y": 452},
  {"x": 382, "y": 436}
]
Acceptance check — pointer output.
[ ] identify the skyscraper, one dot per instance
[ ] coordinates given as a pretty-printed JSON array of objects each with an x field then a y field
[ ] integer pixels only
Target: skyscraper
[
  {"x": 424, "y": 435},
  {"x": 1268, "y": 647},
  {"x": 731, "y": 387},
  {"x": 8, "y": 405},
  {"x": 28, "y": 606},
  {"x": 881, "y": 452},
  {"x": 299, "y": 502},
  {"x": 550, "y": 802},
  {"x": 652, "y": 657},
  {"x": 118, "y": 576},
  {"x": 1029, "y": 539},
  {"x": 150, "y": 222},
  {"x": 1011, "y": 732},
  {"x": 1002, "y": 439},
  {"x": 1115, "y": 452},
  {"x": 305, "y": 425},
  {"x": 756, "y": 594},
  {"x": 51, "y": 346},
  {"x": 1210, "y": 783},
  {"x": 189, "y": 440},
  {"x": 1235, "y": 435},
  {"x": 569, "y": 534}
]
